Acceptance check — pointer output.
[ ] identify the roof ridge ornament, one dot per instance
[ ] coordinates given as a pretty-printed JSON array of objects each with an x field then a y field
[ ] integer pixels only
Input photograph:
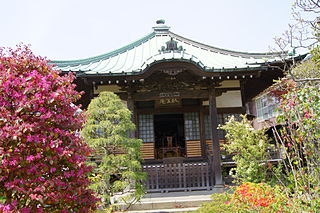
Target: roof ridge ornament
[
  {"x": 161, "y": 27},
  {"x": 172, "y": 45},
  {"x": 161, "y": 21}
]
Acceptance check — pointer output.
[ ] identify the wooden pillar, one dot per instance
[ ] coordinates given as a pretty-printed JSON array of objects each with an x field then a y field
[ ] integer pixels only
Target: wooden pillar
[
  {"x": 202, "y": 133},
  {"x": 243, "y": 97},
  {"x": 131, "y": 107},
  {"x": 88, "y": 92},
  {"x": 216, "y": 159}
]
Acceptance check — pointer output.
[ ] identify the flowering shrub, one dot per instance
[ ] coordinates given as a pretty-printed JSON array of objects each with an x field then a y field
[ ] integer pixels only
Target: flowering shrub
[
  {"x": 259, "y": 197},
  {"x": 42, "y": 158},
  {"x": 252, "y": 197},
  {"x": 299, "y": 139}
]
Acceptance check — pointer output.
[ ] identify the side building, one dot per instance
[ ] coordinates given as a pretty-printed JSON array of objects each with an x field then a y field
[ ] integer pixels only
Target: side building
[{"x": 179, "y": 91}]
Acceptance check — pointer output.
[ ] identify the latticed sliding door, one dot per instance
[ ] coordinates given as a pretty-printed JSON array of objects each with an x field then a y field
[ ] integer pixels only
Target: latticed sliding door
[
  {"x": 192, "y": 134},
  {"x": 146, "y": 133}
]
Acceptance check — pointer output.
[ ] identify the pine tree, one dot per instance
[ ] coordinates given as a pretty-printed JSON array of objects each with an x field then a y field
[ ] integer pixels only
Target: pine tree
[{"x": 106, "y": 131}]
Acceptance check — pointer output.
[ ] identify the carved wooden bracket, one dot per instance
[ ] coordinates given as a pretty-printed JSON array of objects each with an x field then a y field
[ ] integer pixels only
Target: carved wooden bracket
[{"x": 172, "y": 71}]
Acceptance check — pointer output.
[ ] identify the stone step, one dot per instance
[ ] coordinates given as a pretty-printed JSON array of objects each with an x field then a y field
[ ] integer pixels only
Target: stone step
[
  {"x": 172, "y": 201},
  {"x": 166, "y": 210},
  {"x": 174, "y": 204}
]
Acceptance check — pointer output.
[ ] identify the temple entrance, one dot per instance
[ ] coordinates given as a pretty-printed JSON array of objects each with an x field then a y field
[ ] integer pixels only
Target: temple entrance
[{"x": 169, "y": 136}]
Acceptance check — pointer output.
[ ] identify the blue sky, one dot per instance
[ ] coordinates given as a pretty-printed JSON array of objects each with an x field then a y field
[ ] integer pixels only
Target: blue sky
[{"x": 73, "y": 29}]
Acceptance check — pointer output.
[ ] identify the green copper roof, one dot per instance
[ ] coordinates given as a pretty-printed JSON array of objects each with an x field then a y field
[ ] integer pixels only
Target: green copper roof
[
  {"x": 62, "y": 63},
  {"x": 163, "y": 45}
]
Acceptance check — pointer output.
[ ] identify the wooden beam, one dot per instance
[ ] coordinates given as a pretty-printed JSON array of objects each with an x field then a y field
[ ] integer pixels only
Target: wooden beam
[
  {"x": 147, "y": 96},
  {"x": 169, "y": 110},
  {"x": 216, "y": 159},
  {"x": 234, "y": 110},
  {"x": 157, "y": 95}
]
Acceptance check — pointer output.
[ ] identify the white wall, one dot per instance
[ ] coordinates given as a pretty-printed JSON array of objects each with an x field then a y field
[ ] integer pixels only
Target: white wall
[
  {"x": 230, "y": 99},
  {"x": 229, "y": 83},
  {"x": 111, "y": 88}
]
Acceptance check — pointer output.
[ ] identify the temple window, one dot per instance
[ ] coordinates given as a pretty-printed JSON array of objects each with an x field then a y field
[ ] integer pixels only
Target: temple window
[
  {"x": 146, "y": 128},
  {"x": 191, "y": 122},
  {"x": 266, "y": 106}
]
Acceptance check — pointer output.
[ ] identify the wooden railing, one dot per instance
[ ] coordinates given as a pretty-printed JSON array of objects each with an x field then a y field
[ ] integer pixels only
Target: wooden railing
[{"x": 177, "y": 177}]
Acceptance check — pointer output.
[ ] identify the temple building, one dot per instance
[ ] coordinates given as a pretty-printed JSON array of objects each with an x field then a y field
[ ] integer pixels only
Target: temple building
[{"x": 179, "y": 90}]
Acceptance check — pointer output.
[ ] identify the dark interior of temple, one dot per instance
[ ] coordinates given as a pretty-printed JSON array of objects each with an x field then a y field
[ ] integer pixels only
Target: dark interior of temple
[{"x": 169, "y": 135}]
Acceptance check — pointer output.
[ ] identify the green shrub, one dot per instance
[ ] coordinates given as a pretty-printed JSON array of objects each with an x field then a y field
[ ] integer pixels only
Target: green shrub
[
  {"x": 218, "y": 204},
  {"x": 249, "y": 147},
  {"x": 118, "y": 176}
]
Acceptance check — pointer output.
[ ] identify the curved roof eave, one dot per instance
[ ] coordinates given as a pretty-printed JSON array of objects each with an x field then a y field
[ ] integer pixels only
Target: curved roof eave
[
  {"x": 232, "y": 52},
  {"x": 64, "y": 63},
  {"x": 84, "y": 73}
]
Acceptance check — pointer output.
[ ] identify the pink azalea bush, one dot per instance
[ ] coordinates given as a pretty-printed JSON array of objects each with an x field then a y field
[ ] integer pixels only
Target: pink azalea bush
[{"x": 42, "y": 158}]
